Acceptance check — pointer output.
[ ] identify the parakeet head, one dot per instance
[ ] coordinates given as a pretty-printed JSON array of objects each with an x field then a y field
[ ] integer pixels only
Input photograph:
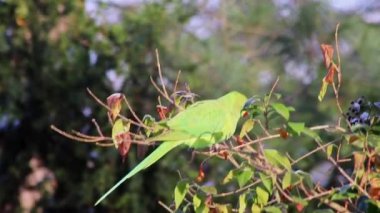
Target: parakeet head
[{"x": 235, "y": 98}]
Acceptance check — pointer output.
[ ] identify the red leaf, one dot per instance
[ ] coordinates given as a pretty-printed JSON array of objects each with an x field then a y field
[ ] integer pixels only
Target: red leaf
[
  {"x": 329, "y": 78},
  {"x": 124, "y": 140},
  {"x": 114, "y": 103},
  {"x": 162, "y": 111},
  {"x": 328, "y": 53}
]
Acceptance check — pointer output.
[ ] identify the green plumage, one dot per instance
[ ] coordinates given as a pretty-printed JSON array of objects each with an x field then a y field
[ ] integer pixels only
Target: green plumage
[{"x": 200, "y": 125}]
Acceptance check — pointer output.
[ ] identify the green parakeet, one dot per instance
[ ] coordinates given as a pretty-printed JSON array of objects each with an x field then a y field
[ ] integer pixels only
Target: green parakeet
[{"x": 200, "y": 125}]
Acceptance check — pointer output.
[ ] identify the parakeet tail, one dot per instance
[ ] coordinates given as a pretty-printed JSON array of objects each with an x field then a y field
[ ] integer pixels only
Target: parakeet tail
[{"x": 148, "y": 161}]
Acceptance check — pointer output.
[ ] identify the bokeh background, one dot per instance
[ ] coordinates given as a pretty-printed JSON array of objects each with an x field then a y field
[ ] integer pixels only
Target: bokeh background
[{"x": 51, "y": 51}]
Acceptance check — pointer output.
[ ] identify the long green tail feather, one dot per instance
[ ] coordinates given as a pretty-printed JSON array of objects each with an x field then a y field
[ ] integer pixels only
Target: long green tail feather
[{"x": 148, "y": 161}]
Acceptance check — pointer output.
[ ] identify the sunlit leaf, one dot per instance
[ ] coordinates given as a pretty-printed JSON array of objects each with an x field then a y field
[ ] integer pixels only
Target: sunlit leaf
[
  {"x": 267, "y": 182},
  {"x": 229, "y": 177},
  {"x": 223, "y": 208},
  {"x": 118, "y": 129},
  {"x": 287, "y": 180},
  {"x": 262, "y": 195},
  {"x": 322, "y": 91},
  {"x": 199, "y": 204},
  {"x": 180, "y": 192},
  {"x": 277, "y": 159},
  {"x": 281, "y": 109},
  {"x": 329, "y": 150},
  {"x": 255, "y": 208},
  {"x": 244, "y": 175},
  {"x": 247, "y": 127},
  {"x": 272, "y": 209},
  {"x": 209, "y": 190},
  {"x": 242, "y": 203}
]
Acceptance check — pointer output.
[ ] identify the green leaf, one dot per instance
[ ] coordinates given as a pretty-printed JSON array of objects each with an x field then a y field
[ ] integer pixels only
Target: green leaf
[
  {"x": 223, "y": 208},
  {"x": 323, "y": 90},
  {"x": 247, "y": 127},
  {"x": 281, "y": 109},
  {"x": 312, "y": 134},
  {"x": 199, "y": 204},
  {"x": 297, "y": 127},
  {"x": 272, "y": 209},
  {"x": 209, "y": 190},
  {"x": 323, "y": 211},
  {"x": 287, "y": 180},
  {"x": 306, "y": 178},
  {"x": 180, "y": 192},
  {"x": 117, "y": 129},
  {"x": 228, "y": 177},
  {"x": 243, "y": 176},
  {"x": 242, "y": 203},
  {"x": 262, "y": 195},
  {"x": 277, "y": 159},
  {"x": 329, "y": 150},
  {"x": 266, "y": 181},
  {"x": 255, "y": 208}
]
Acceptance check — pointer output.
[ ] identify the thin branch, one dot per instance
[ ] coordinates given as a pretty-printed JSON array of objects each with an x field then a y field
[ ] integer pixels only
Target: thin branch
[
  {"x": 160, "y": 91},
  {"x": 105, "y": 106},
  {"x": 225, "y": 194},
  {"x": 176, "y": 81},
  {"x": 167, "y": 208},
  {"x": 338, "y": 54},
  {"x": 134, "y": 114},
  {"x": 97, "y": 127},
  {"x": 352, "y": 182},
  {"x": 160, "y": 74},
  {"x": 77, "y": 138}
]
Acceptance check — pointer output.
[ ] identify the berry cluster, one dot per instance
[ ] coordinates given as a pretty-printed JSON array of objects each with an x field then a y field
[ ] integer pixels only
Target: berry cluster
[
  {"x": 358, "y": 112},
  {"x": 362, "y": 112}
]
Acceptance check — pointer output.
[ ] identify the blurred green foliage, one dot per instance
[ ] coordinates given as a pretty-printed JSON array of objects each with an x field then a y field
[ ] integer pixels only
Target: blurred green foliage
[{"x": 51, "y": 51}]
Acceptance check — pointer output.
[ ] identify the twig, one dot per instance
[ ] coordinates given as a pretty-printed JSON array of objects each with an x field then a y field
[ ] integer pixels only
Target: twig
[
  {"x": 160, "y": 91},
  {"x": 105, "y": 106},
  {"x": 338, "y": 54},
  {"x": 73, "y": 137},
  {"x": 134, "y": 114},
  {"x": 160, "y": 74},
  {"x": 225, "y": 194},
  {"x": 165, "y": 206},
  {"x": 267, "y": 103},
  {"x": 176, "y": 81},
  {"x": 352, "y": 182},
  {"x": 97, "y": 127}
]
